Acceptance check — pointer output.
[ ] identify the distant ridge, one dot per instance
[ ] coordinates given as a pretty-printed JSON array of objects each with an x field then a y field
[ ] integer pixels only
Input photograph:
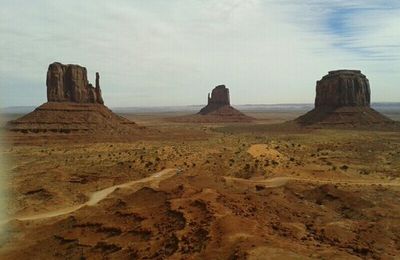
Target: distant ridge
[{"x": 379, "y": 106}]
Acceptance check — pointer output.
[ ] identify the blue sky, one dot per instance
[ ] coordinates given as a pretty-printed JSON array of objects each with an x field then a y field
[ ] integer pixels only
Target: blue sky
[{"x": 174, "y": 52}]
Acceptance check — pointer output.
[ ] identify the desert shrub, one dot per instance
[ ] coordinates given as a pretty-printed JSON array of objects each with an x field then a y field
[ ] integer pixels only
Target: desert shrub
[{"x": 246, "y": 172}]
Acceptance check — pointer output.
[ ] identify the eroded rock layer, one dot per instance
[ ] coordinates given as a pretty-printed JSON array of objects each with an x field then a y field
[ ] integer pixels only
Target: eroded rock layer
[
  {"x": 69, "y": 83},
  {"x": 69, "y": 117},
  {"x": 343, "y": 88},
  {"x": 74, "y": 107},
  {"x": 343, "y": 98},
  {"x": 219, "y": 98},
  {"x": 218, "y": 109}
]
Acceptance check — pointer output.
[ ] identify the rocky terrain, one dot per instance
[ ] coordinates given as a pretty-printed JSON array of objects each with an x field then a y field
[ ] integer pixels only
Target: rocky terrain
[
  {"x": 217, "y": 110},
  {"x": 249, "y": 190},
  {"x": 74, "y": 107},
  {"x": 232, "y": 192},
  {"x": 343, "y": 99}
]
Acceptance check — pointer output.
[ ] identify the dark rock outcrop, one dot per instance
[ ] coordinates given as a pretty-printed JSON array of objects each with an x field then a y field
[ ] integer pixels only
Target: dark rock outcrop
[
  {"x": 343, "y": 98},
  {"x": 98, "y": 90},
  {"x": 219, "y": 98},
  {"x": 74, "y": 107},
  {"x": 217, "y": 110},
  {"x": 343, "y": 88},
  {"x": 69, "y": 83}
]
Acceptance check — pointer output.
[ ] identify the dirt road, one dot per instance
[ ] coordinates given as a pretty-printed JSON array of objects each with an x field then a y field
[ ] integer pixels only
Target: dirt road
[{"x": 151, "y": 181}]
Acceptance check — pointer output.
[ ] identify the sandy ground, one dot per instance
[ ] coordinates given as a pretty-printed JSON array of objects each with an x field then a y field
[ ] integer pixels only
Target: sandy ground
[{"x": 204, "y": 191}]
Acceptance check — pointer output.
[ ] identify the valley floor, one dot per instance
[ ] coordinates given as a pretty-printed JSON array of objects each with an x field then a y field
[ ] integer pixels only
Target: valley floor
[{"x": 227, "y": 191}]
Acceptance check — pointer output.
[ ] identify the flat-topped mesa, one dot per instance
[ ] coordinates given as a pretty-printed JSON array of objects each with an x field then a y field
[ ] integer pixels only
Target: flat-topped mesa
[
  {"x": 343, "y": 99},
  {"x": 219, "y": 98},
  {"x": 69, "y": 83},
  {"x": 343, "y": 88}
]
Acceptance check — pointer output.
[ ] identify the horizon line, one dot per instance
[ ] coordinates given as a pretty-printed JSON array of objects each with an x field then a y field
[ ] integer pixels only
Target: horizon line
[{"x": 259, "y": 104}]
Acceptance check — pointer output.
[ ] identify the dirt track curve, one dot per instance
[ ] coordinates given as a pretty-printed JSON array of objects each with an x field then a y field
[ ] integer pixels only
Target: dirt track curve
[{"x": 151, "y": 181}]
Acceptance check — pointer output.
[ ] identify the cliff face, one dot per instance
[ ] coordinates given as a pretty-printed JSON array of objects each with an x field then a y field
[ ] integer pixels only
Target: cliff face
[
  {"x": 74, "y": 107},
  {"x": 343, "y": 88},
  {"x": 69, "y": 83},
  {"x": 343, "y": 98},
  {"x": 219, "y": 98},
  {"x": 218, "y": 109}
]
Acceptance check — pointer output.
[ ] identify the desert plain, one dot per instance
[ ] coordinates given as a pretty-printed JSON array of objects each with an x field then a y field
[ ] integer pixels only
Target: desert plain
[{"x": 259, "y": 190}]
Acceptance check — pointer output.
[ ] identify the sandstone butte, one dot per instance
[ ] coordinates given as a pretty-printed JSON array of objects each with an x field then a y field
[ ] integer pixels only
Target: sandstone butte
[
  {"x": 73, "y": 106},
  {"x": 69, "y": 83},
  {"x": 219, "y": 107},
  {"x": 217, "y": 110},
  {"x": 343, "y": 97}
]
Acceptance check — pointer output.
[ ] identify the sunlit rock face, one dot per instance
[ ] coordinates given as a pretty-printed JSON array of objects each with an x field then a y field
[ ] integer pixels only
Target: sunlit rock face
[
  {"x": 343, "y": 98},
  {"x": 69, "y": 83},
  {"x": 75, "y": 108},
  {"x": 343, "y": 88}
]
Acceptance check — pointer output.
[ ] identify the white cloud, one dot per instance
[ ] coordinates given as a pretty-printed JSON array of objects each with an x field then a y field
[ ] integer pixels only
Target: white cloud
[{"x": 174, "y": 52}]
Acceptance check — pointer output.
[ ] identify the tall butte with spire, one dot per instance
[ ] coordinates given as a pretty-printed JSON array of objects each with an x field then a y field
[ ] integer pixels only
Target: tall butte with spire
[
  {"x": 343, "y": 97},
  {"x": 219, "y": 98},
  {"x": 73, "y": 106},
  {"x": 69, "y": 83},
  {"x": 219, "y": 107},
  {"x": 217, "y": 110}
]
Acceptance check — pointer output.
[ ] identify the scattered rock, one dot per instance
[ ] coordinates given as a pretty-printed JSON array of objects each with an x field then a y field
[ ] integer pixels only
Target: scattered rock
[{"x": 260, "y": 187}]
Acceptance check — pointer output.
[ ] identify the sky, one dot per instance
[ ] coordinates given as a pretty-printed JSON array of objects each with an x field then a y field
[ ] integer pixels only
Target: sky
[{"x": 172, "y": 53}]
